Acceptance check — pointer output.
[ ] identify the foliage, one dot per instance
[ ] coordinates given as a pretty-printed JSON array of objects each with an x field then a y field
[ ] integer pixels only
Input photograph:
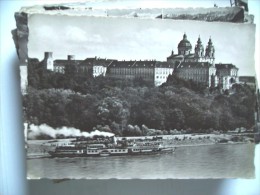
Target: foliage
[{"x": 129, "y": 107}]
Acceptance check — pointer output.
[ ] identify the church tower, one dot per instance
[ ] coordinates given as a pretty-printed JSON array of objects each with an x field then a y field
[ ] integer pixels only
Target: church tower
[
  {"x": 184, "y": 47},
  {"x": 199, "y": 50},
  {"x": 48, "y": 61},
  {"x": 210, "y": 52}
]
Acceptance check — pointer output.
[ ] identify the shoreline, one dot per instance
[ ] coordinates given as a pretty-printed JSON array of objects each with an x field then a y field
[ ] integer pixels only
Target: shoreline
[
  {"x": 44, "y": 155},
  {"x": 36, "y": 148},
  {"x": 208, "y": 144}
]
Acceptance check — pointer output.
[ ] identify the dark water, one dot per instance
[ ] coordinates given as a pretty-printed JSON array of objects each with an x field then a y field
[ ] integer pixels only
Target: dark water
[{"x": 218, "y": 161}]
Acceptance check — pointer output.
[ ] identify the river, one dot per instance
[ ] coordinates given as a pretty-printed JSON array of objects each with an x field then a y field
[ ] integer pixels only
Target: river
[{"x": 210, "y": 161}]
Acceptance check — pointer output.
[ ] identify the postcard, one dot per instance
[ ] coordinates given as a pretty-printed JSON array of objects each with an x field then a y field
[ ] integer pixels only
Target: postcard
[{"x": 146, "y": 93}]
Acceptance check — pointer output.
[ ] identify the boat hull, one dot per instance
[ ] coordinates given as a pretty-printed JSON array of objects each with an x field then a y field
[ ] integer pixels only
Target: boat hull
[{"x": 65, "y": 155}]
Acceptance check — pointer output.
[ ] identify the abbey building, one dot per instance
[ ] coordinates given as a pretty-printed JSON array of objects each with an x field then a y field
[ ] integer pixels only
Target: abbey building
[{"x": 199, "y": 66}]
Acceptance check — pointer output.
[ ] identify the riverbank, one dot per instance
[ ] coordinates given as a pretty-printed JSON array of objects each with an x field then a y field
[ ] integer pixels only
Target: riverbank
[
  {"x": 197, "y": 139},
  {"x": 40, "y": 148}
]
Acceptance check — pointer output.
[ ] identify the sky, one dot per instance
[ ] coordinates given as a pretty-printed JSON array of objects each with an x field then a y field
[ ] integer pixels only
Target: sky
[{"x": 137, "y": 39}]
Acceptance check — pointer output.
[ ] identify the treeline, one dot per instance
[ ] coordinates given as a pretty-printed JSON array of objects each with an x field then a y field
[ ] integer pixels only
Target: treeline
[{"x": 135, "y": 107}]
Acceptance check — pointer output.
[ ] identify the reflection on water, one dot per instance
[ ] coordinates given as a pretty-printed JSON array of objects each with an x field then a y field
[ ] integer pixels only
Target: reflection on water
[{"x": 210, "y": 161}]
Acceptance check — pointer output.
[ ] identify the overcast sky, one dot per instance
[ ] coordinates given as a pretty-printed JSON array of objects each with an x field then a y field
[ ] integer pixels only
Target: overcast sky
[{"x": 135, "y": 39}]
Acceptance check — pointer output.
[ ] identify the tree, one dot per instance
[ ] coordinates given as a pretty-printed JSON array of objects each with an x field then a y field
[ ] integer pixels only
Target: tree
[
  {"x": 112, "y": 109},
  {"x": 175, "y": 119}
]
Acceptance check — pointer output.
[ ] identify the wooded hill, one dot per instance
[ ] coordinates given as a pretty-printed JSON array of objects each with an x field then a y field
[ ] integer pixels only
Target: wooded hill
[{"x": 133, "y": 107}]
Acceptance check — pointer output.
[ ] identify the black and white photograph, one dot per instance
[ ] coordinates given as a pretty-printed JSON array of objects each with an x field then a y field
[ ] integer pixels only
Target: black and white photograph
[{"x": 138, "y": 92}]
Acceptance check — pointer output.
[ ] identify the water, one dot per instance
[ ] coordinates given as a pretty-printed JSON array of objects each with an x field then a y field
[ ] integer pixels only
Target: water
[{"x": 211, "y": 161}]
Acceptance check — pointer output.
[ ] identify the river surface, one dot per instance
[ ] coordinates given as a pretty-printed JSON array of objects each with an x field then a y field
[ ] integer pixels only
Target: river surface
[{"x": 210, "y": 161}]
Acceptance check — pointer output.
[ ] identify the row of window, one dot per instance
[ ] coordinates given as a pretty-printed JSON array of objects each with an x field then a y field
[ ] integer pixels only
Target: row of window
[
  {"x": 195, "y": 71},
  {"x": 167, "y": 71},
  {"x": 98, "y": 68},
  {"x": 118, "y": 150},
  {"x": 59, "y": 69},
  {"x": 128, "y": 70},
  {"x": 162, "y": 77},
  {"x": 98, "y": 71},
  {"x": 144, "y": 75},
  {"x": 122, "y": 150},
  {"x": 194, "y": 78}
]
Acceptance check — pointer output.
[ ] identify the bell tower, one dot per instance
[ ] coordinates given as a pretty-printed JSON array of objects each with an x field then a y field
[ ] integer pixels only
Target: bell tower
[
  {"x": 199, "y": 50},
  {"x": 210, "y": 52}
]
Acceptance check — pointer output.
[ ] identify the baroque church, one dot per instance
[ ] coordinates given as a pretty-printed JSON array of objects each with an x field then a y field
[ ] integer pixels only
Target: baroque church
[{"x": 199, "y": 66}]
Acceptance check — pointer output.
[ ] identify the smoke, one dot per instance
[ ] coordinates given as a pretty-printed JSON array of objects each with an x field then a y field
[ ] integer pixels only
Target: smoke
[{"x": 35, "y": 131}]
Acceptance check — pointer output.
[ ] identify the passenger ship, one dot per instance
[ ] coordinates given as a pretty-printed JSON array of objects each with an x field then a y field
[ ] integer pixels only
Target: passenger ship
[{"x": 104, "y": 150}]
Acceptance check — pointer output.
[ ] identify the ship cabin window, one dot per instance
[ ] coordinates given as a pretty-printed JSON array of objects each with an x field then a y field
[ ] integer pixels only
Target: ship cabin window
[
  {"x": 119, "y": 150},
  {"x": 115, "y": 150}
]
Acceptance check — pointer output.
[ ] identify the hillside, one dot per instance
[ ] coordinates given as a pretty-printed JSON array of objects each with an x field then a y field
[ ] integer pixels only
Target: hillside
[{"x": 134, "y": 107}]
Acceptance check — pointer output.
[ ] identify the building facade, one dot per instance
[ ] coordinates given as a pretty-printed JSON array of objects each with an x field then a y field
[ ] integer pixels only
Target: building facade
[
  {"x": 228, "y": 75},
  {"x": 132, "y": 70},
  {"x": 199, "y": 66},
  {"x": 162, "y": 71}
]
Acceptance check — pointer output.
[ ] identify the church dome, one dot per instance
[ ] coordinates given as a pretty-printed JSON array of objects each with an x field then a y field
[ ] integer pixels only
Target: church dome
[{"x": 184, "y": 43}]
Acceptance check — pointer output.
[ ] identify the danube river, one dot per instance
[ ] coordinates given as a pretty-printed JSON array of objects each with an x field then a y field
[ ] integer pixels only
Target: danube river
[{"x": 209, "y": 161}]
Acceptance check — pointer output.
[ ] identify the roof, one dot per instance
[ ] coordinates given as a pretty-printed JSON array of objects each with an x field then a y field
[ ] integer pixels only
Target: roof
[
  {"x": 194, "y": 65},
  {"x": 176, "y": 56},
  {"x": 144, "y": 64},
  {"x": 192, "y": 55},
  {"x": 164, "y": 65},
  {"x": 122, "y": 64},
  {"x": 225, "y": 66},
  {"x": 87, "y": 62},
  {"x": 180, "y": 56},
  {"x": 133, "y": 64},
  {"x": 96, "y": 61},
  {"x": 102, "y": 62},
  {"x": 59, "y": 62}
]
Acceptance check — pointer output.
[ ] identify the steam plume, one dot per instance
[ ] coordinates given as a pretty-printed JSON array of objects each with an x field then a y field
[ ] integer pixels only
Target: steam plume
[{"x": 34, "y": 131}]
